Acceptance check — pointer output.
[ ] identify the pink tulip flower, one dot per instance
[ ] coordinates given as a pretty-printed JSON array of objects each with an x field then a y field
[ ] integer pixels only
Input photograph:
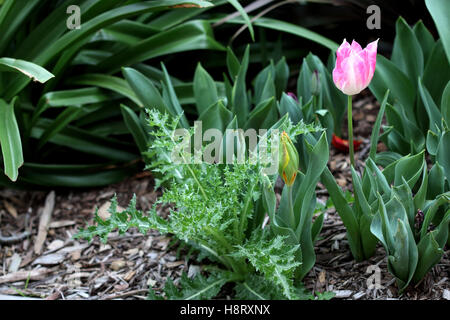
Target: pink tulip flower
[{"x": 354, "y": 66}]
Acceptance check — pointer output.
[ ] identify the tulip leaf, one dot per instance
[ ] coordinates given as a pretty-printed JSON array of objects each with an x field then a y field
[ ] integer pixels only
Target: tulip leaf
[
  {"x": 437, "y": 71},
  {"x": 240, "y": 105},
  {"x": 407, "y": 52},
  {"x": 290, "y": 106},
  {"x": 443, "y": 154},
  {"x": 217, "y": 116},
  {"x": 445, "y": 104},
  {"x": 438, "y": 10},
  {"x": 205, "y": 89},
  {"x": 430, "y": 106},
  {"x": 425, "y": 39},
  {"x": 389, "y": 76}
]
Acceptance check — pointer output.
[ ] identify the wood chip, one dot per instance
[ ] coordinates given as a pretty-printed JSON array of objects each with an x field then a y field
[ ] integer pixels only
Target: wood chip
[
  {"x": 55, "y": 245},
  {"x": 446, "y": 294},
  {"x": 10, "y": 208},
  {"x": 118, "y": 264},
  {"x": 50, "y": 259},
  {"x": 11, "y": 297},
  {"x": 359, "y": 295},
  {"x": 44, "y": 222},
  {"x": 103, "y": 212},
  {"x": 37, "y": 274},
  {"x": 61, "y": 224},
  {"x": 322, "y": 276},
  {"x": 130, "y": 274},
  {"x": 341, "y": 294},
  {"x": 15, "y": 263},
  {"x": 174, "y": 264},
  {"x": 339, "y": 236}
]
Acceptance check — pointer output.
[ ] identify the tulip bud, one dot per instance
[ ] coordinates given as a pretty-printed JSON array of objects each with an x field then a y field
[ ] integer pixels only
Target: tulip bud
[
  {"x": 293, "y": 96},
  {"x": 288, "y": 160},
  {"x": 315, "y": 83}
]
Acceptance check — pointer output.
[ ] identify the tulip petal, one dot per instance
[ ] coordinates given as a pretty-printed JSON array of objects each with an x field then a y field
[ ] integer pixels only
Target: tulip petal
[{"x": 356, "y": 47}]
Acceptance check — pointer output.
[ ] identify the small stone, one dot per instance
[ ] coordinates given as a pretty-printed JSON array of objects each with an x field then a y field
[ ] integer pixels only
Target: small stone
[{"x": 117, "y": 265}]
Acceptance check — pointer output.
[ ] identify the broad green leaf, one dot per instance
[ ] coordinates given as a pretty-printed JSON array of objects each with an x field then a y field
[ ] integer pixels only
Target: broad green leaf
[
  {"x": 293, "y": 29},
  {"x": 107, "y": 82},
  {"x": 172, "y": 99},
  {"x": 134, "y": 125},
  {"x": 263, "y": 116},
  {"x": 290, "y": 106},
  {"x": 443, "y": 154},
  {"x": 205, "y": 89},
  {"x": 240, "y": 103},
  {"x": 83, "y": 141},
  {"x": 72, "y": 176},
  {"x": 101, "y": 20},
  {"x": 437, "y": 71},
  {"x": 439, "y": 11},
  {"x": 445, "y": 104},
  {"x": 10, "y": 141},
  {"x": 389, "y": 76},
  {"x": 345, "y": 212},
  {"x": 407, "y": 53},
  {"x": 217, "y": 116},
  {"x": 192, "y": 35},
  {"x": 233, "y": 64},
  {"x": 145, "y": 90},
  {"x": 31, "y": 70},
  {"x": 425, "y": 39},
  {"x": 430, "y": 106},
  {"x": 63, "y": 119}
]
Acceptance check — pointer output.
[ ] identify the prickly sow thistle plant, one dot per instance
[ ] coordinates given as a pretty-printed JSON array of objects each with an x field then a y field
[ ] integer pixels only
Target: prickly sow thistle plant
[{"x": 215, "y": 208}]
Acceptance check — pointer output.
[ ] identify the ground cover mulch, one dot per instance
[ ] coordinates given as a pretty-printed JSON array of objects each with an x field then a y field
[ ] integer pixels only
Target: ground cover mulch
[{"x": 49, "y": 264}]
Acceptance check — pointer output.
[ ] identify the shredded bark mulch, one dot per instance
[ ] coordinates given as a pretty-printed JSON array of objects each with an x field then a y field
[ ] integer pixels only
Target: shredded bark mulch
[{"x": 40, "y": 259}]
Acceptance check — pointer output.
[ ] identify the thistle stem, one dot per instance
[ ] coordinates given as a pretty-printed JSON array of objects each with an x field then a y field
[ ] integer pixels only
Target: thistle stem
[{"x": 350, "y": 131}]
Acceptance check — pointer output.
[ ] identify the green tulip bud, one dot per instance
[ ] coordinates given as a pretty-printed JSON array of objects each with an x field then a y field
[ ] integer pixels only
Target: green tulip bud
[
  {"x": 315, "y": 83},
  {"x": 288, "y": 160}
]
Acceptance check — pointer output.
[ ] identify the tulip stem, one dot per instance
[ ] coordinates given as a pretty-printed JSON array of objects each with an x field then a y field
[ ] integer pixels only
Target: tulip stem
[
  {"x": 291, "y": 206},
  {"x": 350, "y": 131}
]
